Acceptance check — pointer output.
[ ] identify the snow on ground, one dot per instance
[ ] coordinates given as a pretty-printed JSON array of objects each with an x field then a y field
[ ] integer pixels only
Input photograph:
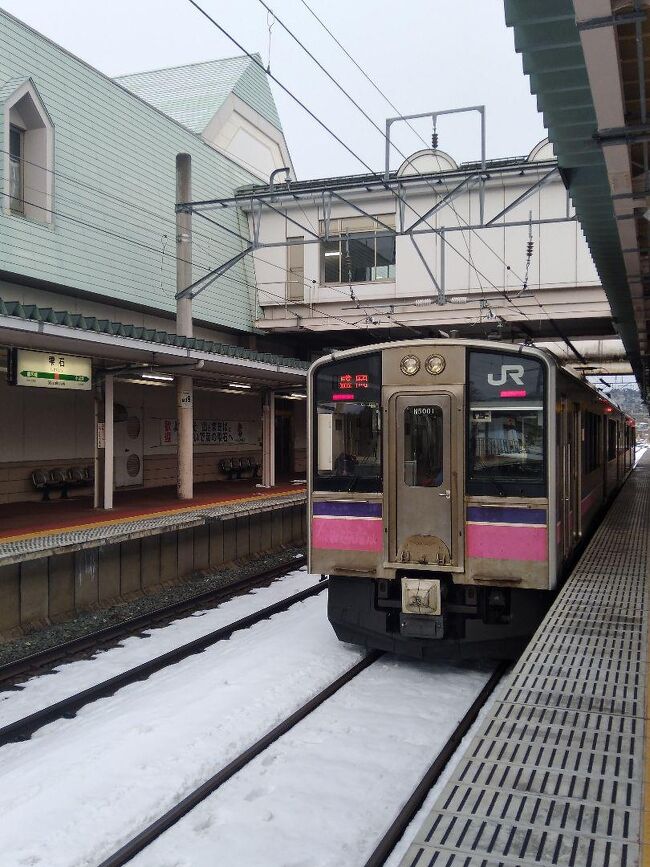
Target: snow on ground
[
  {"x": 325, "y": 793},
  {"x": 72, "y": 677},
  {"x": 81, "y": 787}
]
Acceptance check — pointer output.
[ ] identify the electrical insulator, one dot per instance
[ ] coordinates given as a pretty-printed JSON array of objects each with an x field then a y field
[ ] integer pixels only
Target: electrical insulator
[
  {"x": 434, "y": 140},
  {"x": 529, "y": 248}
]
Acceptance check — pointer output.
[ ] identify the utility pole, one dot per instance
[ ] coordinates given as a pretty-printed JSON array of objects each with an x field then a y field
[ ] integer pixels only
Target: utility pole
[{"x": 184, "y": 384}]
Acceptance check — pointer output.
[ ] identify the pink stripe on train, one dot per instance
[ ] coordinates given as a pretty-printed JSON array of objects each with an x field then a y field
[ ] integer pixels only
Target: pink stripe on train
[
  {"x": 501, "y": 542},
  {"x": 347, "y": 534}
]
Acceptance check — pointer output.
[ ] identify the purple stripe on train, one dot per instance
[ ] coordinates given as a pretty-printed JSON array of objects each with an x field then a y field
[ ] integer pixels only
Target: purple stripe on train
[
  {"x": 347, "y": 509},
  {"x": 505, "y": 515}
]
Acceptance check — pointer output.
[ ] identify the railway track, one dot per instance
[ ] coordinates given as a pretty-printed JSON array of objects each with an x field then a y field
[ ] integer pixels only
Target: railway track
[
  {"x": 23, "y": 728},
  {"x": 138, "y": 843},
  {"x": 408, "y": 812},
  {"x": 86, "y": 645},
  {"x": 141, "y": 841}
]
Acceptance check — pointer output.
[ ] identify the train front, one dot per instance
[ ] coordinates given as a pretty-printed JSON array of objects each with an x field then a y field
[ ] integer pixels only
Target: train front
[{"x": 429, "y": 495}]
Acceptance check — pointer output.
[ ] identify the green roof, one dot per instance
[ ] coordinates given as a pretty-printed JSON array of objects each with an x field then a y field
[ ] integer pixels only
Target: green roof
[
  {"x": 193, "y": 94},
  {"x": 33, "y": 313},
  {"x": 547, "y": 37}
]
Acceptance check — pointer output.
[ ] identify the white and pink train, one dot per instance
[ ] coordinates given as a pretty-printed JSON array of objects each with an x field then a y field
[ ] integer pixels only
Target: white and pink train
[{"x": 451, "y": 483}]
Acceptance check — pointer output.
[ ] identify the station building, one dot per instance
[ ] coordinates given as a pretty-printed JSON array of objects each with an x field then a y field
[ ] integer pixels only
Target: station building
[{"x": 88, "y": 271}]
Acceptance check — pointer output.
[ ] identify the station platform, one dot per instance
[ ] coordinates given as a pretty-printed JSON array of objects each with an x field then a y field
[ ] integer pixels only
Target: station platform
[
  {"x": 559, "y": 770},
  {"x": 31, "y": 528}
]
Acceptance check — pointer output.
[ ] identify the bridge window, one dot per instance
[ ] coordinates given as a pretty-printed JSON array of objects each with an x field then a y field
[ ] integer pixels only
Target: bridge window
[{"x": 358, "y": 250}]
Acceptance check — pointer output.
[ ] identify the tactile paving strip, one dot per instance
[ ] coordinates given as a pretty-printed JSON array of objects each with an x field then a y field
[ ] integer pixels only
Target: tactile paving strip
[
  {"x": 99, "y": 534},
  {"x": 554, "y": 774}
]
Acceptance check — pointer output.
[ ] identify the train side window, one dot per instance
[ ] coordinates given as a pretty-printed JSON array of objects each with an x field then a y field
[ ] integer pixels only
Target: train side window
[
  {"x": 611, "y": 439},
  {"x": 423, "y": 446},
  {"x": 592, "y": 447}
]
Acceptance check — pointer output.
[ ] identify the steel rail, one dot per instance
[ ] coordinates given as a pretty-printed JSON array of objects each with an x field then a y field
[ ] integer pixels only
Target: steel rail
[
  {"x": 23, "y": 728},
  {"x": 134, "y": 846},
  {"x": 27, "y": 666},
  {"x": 408, "y": 812}
]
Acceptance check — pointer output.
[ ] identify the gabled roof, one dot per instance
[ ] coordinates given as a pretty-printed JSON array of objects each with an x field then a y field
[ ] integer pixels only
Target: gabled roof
[
  {"x": 11, "y": 86},
  {"x": 193, "y": 94}
]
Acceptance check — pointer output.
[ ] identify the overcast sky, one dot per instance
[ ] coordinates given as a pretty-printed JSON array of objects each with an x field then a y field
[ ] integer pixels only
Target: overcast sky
[{"x": 425, "y": 55}]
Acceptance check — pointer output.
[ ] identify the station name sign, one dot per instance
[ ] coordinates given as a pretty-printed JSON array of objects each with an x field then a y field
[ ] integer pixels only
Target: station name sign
[{"x": 49, "y": 370}]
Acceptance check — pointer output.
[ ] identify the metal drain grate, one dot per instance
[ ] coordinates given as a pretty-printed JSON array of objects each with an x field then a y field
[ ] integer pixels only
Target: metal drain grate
[{"x": 554, "y": 773}]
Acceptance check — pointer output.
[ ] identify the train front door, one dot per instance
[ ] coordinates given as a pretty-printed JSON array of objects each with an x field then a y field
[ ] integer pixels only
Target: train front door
[{"x": 423, "y": 483}]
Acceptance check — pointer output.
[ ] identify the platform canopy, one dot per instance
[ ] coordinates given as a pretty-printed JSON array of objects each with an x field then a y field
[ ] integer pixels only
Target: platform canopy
[
  {"x": 587, "y": 63},
  {"x": 131, "y": 350}
]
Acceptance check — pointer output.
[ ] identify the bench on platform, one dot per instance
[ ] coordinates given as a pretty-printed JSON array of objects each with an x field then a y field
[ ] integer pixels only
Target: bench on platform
[
  {"x": 238, "y": 468},
  {"x": 61, "y": 479}
]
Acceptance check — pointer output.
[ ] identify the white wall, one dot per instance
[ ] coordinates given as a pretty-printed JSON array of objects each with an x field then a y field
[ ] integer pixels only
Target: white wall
[
  {"x": 44, "y": 426},
  {"x": 245, "y": 136},
  {"x": 159, "y": 402}
]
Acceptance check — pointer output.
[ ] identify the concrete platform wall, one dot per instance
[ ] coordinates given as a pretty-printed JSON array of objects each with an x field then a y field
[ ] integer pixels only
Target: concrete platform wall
[{"x": 55, "y": 587}]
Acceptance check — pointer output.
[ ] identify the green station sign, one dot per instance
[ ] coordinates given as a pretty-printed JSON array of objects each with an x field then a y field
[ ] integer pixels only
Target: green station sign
[{"x": 51, "y": 370}]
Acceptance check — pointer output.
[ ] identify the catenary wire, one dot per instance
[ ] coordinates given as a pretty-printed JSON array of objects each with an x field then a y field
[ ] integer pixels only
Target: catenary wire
[
  {"x": 394, "y": 107},
  {"x": 345, "y": 146},
  {"x": 381, "y": 132},
  {"x": 349, "y": 149}
]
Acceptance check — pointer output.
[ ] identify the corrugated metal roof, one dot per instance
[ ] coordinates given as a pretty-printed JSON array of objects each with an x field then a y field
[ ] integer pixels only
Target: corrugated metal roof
[
  {"x": 547, "y": 37},
  {"x": 192, "y": 94},
  {"x": 31, "y": 312}
]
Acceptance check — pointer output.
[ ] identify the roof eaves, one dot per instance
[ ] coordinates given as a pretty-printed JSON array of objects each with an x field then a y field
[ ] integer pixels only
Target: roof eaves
[{"x": 151, "y": 335}]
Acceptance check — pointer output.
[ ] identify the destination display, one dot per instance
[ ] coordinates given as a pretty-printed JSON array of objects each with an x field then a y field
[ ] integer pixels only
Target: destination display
[{"x": 51, "y": 370}]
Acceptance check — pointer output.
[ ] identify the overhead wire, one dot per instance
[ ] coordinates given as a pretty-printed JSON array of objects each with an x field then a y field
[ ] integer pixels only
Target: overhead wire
[
  {"x": 337, "y": 138},
  {"x": 150, "y": 248},
  {"x": 417, "y": 133},
  {"x": 393, "y": 106},
  {"x": 381, "y": 132}
]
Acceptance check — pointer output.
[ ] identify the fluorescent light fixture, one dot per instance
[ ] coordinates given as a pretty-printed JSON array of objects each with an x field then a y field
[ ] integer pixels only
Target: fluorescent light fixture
[
  {"x": 162, "y": 377},
  {"x": 332, "y": 253},
  {"x": 238, "y": 385}
]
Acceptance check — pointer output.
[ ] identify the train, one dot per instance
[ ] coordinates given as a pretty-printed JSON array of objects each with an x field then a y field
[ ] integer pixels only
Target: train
[{"x": 450, "y": 484}]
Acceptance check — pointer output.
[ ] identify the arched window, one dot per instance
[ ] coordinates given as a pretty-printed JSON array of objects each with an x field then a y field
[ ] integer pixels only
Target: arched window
[{"x": 28, "y": 153}]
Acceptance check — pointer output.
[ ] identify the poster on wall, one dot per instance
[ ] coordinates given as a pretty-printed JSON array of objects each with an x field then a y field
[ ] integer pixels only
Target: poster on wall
[
  {"x": 213, "y": 432},
  {"x": 52, "y": 370}
]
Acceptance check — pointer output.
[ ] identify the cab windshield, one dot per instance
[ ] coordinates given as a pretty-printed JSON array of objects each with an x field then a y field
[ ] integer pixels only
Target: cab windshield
[
  {"x": 506, "y": 421},
  {"x": 347, "y": 425}
]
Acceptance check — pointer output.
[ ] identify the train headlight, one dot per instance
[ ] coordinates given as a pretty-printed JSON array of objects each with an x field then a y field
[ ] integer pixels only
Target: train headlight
[
  {"x": 435, "y": 364},
  {"x": 409, "y": 365}
]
